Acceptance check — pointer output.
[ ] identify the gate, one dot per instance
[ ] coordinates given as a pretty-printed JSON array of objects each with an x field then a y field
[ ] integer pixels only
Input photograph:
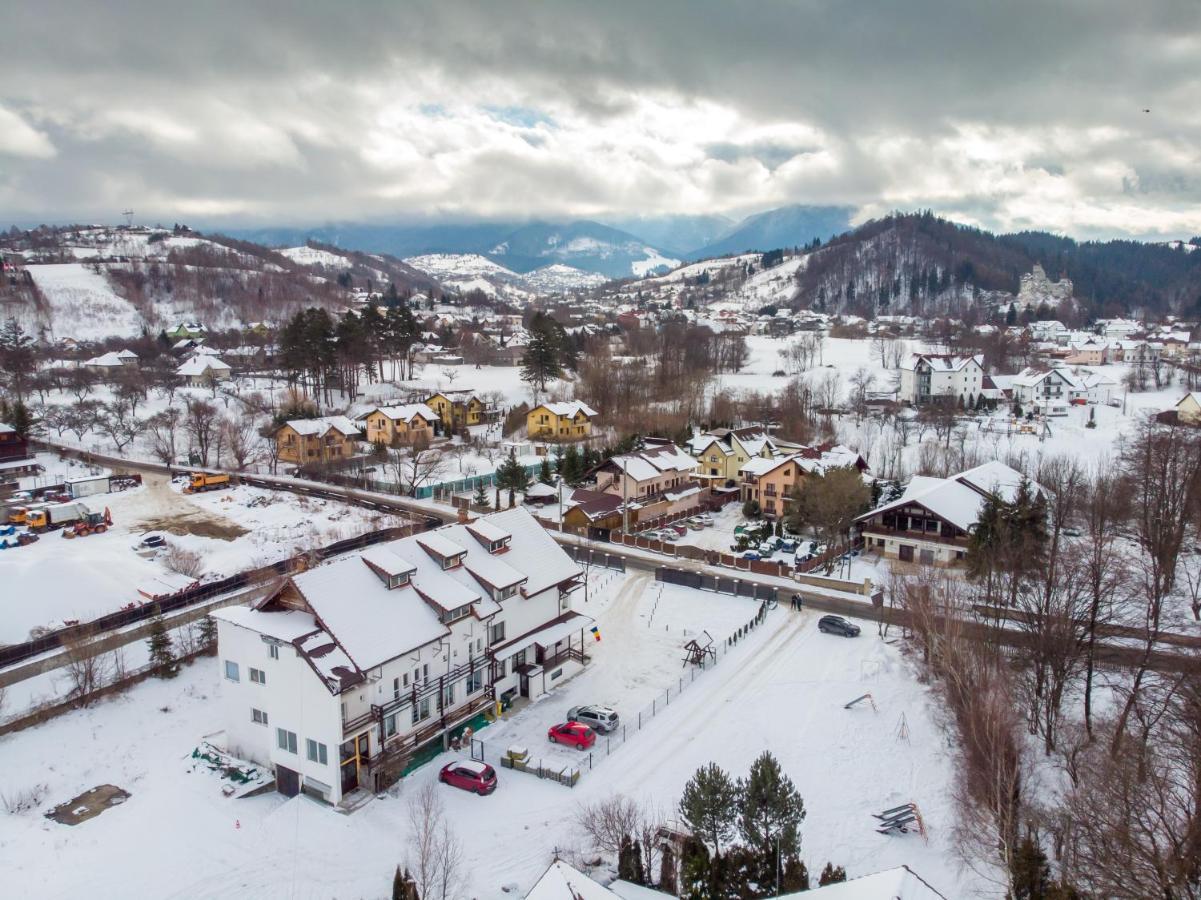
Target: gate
[{"x": 477, "y": 750}]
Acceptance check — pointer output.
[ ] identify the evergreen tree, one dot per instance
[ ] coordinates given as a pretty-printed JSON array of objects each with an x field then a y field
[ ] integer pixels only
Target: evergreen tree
[
  {"x": 398, "y": 886},
  {"x": 709, "y": 805},
  {"x": 542, "y": 360},
  {"x": 571, "y": 466},
  {"x": 544, "y": 472},
  {"x": 694, "y": 869},
  {"x": 667, "y": 870},
  {"x": 1031, "y": 874},
  {"x": 162, "y": 651},
  {"x": 794, "y": 876},
  {"x": 512, "y": 477},
  {"x": 770, "y": 810},
  {"x": 1011, "y": 317},
  {"x": 831, "y": 874},
  {"x": 208, "y": 632},
  {"x": 481, "y": 495}
]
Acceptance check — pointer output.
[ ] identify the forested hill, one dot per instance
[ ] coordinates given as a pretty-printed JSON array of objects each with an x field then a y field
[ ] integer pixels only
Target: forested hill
[{"x": 919, "y": 263}]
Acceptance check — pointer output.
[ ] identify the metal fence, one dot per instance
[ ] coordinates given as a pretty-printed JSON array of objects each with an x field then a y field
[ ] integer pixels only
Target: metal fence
[
  {"x": 588, "y": 556},
  {"x": 569, "y": 774},
  {"x": 736, "y": 587}
]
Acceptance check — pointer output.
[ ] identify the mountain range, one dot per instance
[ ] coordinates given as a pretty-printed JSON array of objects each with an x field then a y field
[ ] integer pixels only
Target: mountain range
[{"x": 625, "y": 248}]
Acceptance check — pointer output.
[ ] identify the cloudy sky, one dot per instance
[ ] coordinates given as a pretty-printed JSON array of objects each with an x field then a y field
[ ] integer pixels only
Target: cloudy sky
[{"x": 1007, "y": 115}]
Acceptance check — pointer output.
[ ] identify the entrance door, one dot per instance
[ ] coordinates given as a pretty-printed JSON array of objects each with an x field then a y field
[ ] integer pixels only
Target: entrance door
[
  {"x": 905, "y": 551},
  {"x": 349, "y": 760},
  {"x": 525, "y": 685},
  {"x": 287, "y": 782}
]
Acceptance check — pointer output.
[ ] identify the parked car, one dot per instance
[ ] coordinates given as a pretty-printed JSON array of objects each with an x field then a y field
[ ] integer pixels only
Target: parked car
[
  {"x": 766, "y": 549},
  {"x": 1079, "y": 401},
  {"x": 695, "y": 524},
  {"x": 668, "y": 535},
  {"x": 1114, "y": 402},
  {"x": 577, "y": 734},
  {"x": 469, "y": 775},
  {"x": 679, "y": 528},
  {"x": 751, "y": 554},
  {"x": 788, "y": 546},
  {"x": 704, "y": 518},
  {"x": 837, "y": 625},
  {"x": 1072, "y": 531},
  {"x": 599, "y": 718}
]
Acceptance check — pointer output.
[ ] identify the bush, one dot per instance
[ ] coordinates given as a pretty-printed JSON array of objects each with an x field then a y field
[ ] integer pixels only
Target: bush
[
  {"x": 182, "y": 561},
  {"x": 750, "y": 509}
]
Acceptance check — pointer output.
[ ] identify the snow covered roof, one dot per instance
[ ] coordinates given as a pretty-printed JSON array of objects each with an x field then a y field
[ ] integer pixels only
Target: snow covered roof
[
  {"x": 941, "y": 362},
  {"x": 7, "y": 429},
  {"x": 563, "y": 882},
  {"x": 440, "y": 545},
  {"x": 547, "y": 636},
  {"x": 900, "y": 883},
  {"x": 106, "y": 360},
  {"x": 310, "y": 427},
  {"x": 404, "y": 413},
  {"x": 958, "y": 499},
  {"x": 329, "y": 661},
  {"x": 388, "y": 561},
  {"x": 1031, "y": 377},
  {"x": 761, "y": 466},
  {"x": 199, "y": 365},
  {"x": 286, "y": 626},
  {"x": 653, "y": 461},
  {"x": 568, "y": 408},
  {"x": 374, "y": 623}
]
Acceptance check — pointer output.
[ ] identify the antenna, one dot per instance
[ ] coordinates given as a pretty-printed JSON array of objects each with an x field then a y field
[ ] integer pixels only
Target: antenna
[{"x": 128, "y": 218}]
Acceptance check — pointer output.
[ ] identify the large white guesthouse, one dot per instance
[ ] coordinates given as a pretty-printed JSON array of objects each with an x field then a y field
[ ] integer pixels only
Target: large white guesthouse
[{"x": 334, "y": 678}]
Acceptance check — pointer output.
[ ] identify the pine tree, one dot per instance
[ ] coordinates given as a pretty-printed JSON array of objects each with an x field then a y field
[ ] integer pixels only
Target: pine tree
[
  {"x": 208, "y": 632},
  {"x": 544, "y": 473},
  {"x": 398, "y": 886},
  {"x": 1030, "y": 872},
  {"x": 667, "y": 870},
  {"x": 541, "y": 360},
  {"x": 770, "y": 810},
  {"x": 831, "y": 874},
  {"x": 481, "y": 495},
  {"x": 571, "y": 466},
  {"x": 162, "y": 652},
  {"x": 625, "y": 860},
  {"x": 511, "y": 476},
  {"x": 709, "y": 805}
]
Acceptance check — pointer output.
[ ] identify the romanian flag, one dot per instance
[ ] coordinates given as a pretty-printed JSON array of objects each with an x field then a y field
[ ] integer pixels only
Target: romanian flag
[{"x": 595, "y": 632}]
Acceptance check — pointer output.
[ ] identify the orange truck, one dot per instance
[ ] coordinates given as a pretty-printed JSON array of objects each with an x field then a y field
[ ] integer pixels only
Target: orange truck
[{"x": 203, "y": 481}]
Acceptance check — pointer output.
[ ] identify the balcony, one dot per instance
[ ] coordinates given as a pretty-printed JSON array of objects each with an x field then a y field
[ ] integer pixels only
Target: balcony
[
  {"x": 569, "y": 654},
  {"x": 932, "y": 537}
]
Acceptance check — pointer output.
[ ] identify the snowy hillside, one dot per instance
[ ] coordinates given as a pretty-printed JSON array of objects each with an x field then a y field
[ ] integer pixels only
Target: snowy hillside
[
  {"x": 82, "y": 304},
  {"x": 459, "y": 266},
  {"x": 311, "y": 256},
  {"x": 558, "y": 278}
]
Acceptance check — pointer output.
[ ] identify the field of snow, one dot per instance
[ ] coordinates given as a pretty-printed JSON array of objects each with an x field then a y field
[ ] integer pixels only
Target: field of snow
[
  {"x": 83, "y": 304},
  {"x": 654, "y": 260},
  {"x": 782, "y": 688},
  {"x": 232, "y": 530},
  {"x": 459, "y": 266}
]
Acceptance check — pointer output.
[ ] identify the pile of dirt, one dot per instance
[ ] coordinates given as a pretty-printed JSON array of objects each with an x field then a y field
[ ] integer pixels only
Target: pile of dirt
[{"x": 88, "y": 805}]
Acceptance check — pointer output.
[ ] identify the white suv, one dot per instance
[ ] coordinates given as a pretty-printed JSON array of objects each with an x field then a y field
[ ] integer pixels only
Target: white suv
[{"x": 600, "y": 718}]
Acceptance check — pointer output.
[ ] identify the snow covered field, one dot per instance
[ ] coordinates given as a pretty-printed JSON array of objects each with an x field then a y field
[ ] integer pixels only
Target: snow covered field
[
  {"x": 232, "y": 530},
  {"x": 782, "y": 688}
]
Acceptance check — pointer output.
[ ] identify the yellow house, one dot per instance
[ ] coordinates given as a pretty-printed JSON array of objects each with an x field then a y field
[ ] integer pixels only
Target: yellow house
[
  {"x": 568, "y": 421},
  {"x": 317, "y": 440},
  {"x": 1188, "y": 410},
  {"x": 457, "y": 409},
  {"x": 396, "y": 426},
  {"x": 723, "y": 452}
]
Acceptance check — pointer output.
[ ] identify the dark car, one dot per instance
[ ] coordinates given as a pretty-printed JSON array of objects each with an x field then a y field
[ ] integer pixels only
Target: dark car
[
  {"x": 837, "y": 625},
  {"x": 469, "y": 775}
]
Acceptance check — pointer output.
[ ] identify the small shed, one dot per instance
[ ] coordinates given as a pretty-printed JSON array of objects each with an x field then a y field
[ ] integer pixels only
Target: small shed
[{"x": 87, "y": 485}]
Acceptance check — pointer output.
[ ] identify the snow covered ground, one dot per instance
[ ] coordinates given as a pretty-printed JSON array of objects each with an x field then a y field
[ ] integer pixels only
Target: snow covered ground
[
  {"x": 232, "y": 530},
  {"x": 782, "y": 688},
  {"x": 311, "y": 256}
]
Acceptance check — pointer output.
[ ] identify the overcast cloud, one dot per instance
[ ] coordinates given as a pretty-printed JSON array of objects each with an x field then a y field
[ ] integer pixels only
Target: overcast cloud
[{"x": 1007, "y": 115}]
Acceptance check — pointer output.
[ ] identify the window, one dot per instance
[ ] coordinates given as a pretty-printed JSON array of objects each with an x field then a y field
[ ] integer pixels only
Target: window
[
  {"x": 390, "y": 725},
  {"x": 519, "y": 659},
  {"x": 316, "y": 752},
  {"x": 258, "y": 676},
  {"x": 496, "y": 633},
  {"x": 258, "y": 717},
  {"x": 448, "y": 696},
  {"x": 479, "y": 645},
  {"x": 406, "y": 681},
  {"x": 273, "y": 651},
  {"x": 455, "y": 614},
  {"x": 285, "y": 739},
  {"x": 564, "y": 601},
  {"x": 421, "y": 711},
  {"x": 475, "y": 681},
  {"x": 505, "y": 593},
  {"x": 231, "y": 671},
  {"x": 396, "y": 687}
]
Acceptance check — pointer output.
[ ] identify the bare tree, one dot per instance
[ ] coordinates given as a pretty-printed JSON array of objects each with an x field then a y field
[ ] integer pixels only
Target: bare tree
[
  {"x": 163, "y": 428},
  {"x": 201, "y": 423},
  {"x": 120, "y": 424},
  {"x": 417, "y": 464},
  {"x": 86, "y": 666},
  {"x": 435, "y": 853},
  {"x": 242, "y": 439}
]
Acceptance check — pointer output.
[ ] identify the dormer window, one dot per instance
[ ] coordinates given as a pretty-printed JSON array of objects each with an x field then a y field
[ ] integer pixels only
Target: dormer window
[
  {"x": 505, "y": 593},
  {"x": 395, "y": 581},
  {"x": 453, "y": 615},
  {"x": 393, "y": 570}
]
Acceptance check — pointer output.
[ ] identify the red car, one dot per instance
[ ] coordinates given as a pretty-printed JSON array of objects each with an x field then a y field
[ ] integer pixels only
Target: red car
[
  {"x": 469, "y": 775},
  {"x": 581, "y": 736}
]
